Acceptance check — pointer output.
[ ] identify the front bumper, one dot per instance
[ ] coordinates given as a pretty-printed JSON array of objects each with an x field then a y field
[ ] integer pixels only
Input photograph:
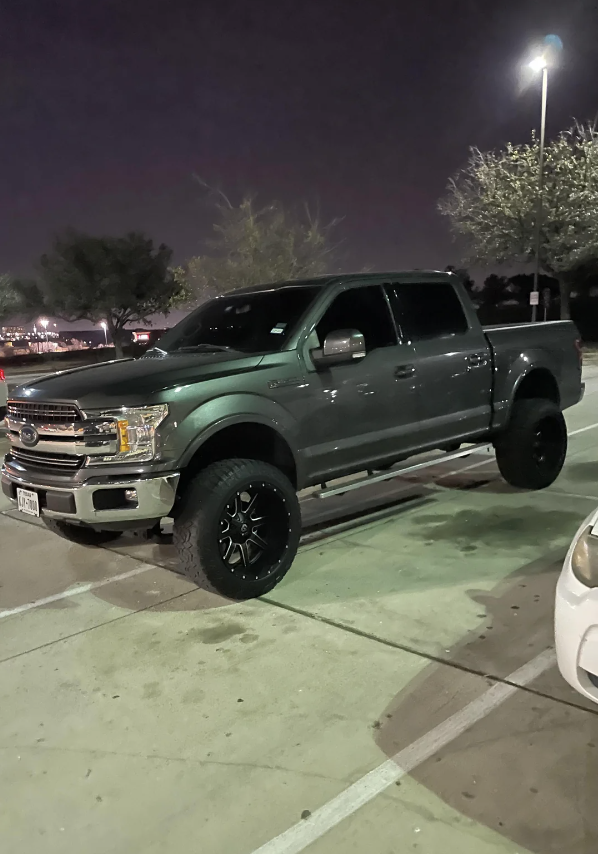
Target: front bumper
[
  {"x": 576, "y": 627},
  {"x": 100, "y": 501}
]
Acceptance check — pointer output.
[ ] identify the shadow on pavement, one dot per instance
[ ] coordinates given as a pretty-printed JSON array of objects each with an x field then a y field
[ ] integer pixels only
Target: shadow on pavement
[{"x": 528, "y": 771}]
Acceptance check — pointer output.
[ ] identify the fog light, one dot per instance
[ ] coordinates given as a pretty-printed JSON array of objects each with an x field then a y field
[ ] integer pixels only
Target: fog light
[{"x": 131, "y": 495}]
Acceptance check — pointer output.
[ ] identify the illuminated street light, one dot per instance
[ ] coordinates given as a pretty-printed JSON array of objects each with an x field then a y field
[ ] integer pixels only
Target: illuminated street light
[
  {"x": 104, "y": 326},
  {"x": 539, "y": 63}
]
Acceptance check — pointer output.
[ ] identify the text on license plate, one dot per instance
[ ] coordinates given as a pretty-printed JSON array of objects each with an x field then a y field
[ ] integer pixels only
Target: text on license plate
[{"x": 28, "y": 502}]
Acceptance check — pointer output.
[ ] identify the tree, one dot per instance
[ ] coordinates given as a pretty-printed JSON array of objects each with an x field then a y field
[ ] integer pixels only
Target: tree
[
  {"x": 494, "y": 290},
  {"x": 18, "y": 298},
  {"x": 492, "y": 203},
  {"x": 255, "y": 246},
  {"x": 120, "y": 280},
  {"x": 9, "y": 297}
]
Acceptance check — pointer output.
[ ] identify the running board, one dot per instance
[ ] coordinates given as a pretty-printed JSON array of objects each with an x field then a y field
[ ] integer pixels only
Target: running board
[{"x": 328, "y": 491}]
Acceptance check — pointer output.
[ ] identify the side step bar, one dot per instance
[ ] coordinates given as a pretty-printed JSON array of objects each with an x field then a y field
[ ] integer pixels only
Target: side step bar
[{"x": 328, "y": 491}]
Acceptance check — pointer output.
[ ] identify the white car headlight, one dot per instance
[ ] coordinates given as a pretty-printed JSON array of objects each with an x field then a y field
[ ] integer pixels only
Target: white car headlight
[
  {"x": 136, "y": 434},
  {"x": 584, "y": 559}
]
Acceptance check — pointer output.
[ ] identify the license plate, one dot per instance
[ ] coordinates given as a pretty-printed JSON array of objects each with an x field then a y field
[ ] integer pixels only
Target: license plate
[{"x": 28, "y": 502}]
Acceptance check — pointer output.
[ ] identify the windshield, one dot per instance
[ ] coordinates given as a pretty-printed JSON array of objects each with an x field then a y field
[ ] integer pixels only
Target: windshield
[{"x": 246, "y": 323}]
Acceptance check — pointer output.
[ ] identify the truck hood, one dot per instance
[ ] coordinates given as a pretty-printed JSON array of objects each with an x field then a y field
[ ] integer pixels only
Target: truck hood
[{"x": 133, "y": 382}]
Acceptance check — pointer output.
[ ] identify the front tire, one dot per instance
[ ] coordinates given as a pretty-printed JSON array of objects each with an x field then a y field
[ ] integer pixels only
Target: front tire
[
  {"x": 532, "y": 450},
  {"x": 238, "y": 528},
  {"x": 80, "y": 534}
]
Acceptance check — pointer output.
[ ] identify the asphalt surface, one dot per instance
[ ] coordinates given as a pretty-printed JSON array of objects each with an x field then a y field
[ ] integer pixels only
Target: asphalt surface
[{"x": 397, "y": 692}]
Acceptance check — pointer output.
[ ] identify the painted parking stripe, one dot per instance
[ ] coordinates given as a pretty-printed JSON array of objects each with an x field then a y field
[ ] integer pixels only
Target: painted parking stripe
[
  {"x": 309, "y": 830},
  {"x": 583, "y": 429},
  {"x": 75, "y": 591}
]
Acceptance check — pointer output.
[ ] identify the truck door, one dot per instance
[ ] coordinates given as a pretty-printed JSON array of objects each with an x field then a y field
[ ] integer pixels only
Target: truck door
[
  {"x": 452, "y": 359},
  {"x": 361, "y": 412}
]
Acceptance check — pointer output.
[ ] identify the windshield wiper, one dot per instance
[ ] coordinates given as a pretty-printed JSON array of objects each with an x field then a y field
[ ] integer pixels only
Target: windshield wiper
[{"x": 207, "y": 348}]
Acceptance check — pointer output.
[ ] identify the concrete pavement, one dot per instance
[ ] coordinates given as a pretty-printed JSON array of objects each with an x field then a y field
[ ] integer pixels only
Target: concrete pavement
[{"x": 144, "y": 715}]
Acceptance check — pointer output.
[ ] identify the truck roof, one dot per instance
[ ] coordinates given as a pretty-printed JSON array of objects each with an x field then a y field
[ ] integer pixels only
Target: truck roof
[{"x": 341, "y": 278}]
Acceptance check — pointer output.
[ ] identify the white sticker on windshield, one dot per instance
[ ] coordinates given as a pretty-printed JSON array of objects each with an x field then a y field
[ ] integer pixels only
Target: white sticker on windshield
[{"x": 278, "y": 329}]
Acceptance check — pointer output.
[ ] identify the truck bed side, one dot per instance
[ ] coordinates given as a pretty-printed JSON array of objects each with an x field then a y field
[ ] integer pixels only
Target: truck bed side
[{"x": 534, "y": 360}]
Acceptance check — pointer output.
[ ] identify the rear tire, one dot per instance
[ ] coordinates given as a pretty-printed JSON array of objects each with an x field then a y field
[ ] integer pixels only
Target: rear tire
[
  {"x": 238, "y": 528},
  {"x": 532, "y": 450},
  {"x": 79, "y": 534}
]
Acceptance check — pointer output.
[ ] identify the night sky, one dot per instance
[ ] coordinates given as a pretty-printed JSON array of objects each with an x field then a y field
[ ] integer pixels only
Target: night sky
[{"x": 365, "y": 109}]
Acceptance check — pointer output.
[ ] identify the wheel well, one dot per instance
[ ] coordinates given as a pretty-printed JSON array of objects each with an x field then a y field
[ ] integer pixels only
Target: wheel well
[
  {"x": 538, "y": 383},
  {"x": 248, "y": 441}
]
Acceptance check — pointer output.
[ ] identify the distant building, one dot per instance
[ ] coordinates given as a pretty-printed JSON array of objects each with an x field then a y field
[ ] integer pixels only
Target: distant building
[{"x": 11, "y": 333}]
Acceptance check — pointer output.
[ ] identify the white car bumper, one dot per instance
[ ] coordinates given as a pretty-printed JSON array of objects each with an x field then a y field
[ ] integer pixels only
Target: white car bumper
[{"x": 576, "y": 625}]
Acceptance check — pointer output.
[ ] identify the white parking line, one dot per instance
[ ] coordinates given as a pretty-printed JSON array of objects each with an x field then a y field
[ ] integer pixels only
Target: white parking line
[
  {"x": 302, "y": 834},
  {"x": 583, "y": 429},
  {"x": 75, "y": 591}
]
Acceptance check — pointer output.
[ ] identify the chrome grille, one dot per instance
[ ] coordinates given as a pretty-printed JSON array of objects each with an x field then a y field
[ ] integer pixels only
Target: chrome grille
[
  {"x": 43, "y": 413},
  {"x": 47, "y": 462}
]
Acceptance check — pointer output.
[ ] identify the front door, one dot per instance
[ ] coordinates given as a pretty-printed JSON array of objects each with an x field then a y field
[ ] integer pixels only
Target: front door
[{"x": 363, "y": 412}]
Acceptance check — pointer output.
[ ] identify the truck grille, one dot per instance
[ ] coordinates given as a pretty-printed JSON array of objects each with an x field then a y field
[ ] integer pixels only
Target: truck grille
[
  {"x": 43, "y": 413},
  {"x": 58, "y": 463}
]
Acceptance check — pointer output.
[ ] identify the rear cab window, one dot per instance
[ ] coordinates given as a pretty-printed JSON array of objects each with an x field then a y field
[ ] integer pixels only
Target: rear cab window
[{"x": 425, "y": 310}]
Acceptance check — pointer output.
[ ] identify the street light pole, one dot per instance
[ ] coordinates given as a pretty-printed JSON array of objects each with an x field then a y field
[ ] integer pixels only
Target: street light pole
[
  {"x": 44, "y": 323},
  {"x": 540, "y": 62}
]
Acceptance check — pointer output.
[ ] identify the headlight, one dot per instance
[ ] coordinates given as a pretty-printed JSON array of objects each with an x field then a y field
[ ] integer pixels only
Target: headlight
[
  {"x": 584, "y": 559},
  {"x": 136, "y": 434}
]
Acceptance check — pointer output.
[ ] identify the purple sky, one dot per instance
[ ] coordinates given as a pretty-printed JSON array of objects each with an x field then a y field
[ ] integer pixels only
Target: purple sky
[{"x": 365, "y": 108}]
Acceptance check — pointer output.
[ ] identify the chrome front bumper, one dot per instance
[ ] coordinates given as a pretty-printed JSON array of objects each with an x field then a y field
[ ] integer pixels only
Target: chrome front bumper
[{"x": 78, "y": 502}]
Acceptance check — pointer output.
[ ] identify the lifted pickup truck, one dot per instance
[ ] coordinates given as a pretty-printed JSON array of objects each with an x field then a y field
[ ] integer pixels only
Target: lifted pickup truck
[{"x": 262, "y": 392}]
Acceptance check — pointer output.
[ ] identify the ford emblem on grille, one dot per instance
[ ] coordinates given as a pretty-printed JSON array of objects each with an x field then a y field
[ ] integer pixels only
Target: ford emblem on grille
[{"x": 29, "y": 436}]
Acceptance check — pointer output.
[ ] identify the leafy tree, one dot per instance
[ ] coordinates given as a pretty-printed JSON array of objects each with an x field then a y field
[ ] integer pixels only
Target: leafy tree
[
  {"x": 494, "y": 290},
  {"x": 120, "y": 280},
  {"x": 9, "y": 297},
  {"x": 18, "y": 298},
  {"x": 492, "y": 203},
  {"x": 258, "y": 245}
]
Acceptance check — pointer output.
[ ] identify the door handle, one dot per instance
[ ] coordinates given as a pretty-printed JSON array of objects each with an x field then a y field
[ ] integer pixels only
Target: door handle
[
  {"x": 477, "y": 360},
  {"x": 403, "y": 372}
]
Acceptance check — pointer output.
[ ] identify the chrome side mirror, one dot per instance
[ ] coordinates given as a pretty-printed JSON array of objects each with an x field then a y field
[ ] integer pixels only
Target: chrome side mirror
[{"x": 340, "y": 347}]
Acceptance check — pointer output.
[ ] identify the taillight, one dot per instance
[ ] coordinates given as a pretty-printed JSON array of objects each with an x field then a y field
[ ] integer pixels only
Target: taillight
[
  {"x": 579, "y": 348},
  {"x": 2, "y": 376}
]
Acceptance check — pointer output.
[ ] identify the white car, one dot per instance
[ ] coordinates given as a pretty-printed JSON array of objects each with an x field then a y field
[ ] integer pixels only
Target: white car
[
  {"x": 3, "y": 395},
  {"x": 576, "y": 611}
]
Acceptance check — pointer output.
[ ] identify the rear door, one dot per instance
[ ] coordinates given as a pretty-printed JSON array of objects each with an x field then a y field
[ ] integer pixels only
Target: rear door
[
  {"x": 452, "y": 359},
  {"x": 364, "y": 411}
]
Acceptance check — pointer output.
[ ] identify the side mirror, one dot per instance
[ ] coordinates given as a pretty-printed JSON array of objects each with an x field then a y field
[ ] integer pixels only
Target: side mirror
[{"x": 340, "y": 347}]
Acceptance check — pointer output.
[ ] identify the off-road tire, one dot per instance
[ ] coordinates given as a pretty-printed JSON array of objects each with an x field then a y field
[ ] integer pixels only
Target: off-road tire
[
  {"x": 200, "y": 515},
  {"x": 532, "y": 450},
  {"x": 80, "y": 534}
]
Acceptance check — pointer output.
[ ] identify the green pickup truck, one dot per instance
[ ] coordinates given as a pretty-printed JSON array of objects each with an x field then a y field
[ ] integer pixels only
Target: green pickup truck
[{"x": 265, "y": 391}]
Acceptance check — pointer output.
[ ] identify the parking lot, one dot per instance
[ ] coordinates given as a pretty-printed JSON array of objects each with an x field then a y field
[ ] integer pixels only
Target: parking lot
[{"x": 397, "y": 692}]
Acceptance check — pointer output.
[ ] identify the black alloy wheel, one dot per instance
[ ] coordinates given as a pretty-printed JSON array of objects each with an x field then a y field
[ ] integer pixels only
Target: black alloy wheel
[
  {"x": 253, "y": 530},
  {"x": 237, "y": 528}
]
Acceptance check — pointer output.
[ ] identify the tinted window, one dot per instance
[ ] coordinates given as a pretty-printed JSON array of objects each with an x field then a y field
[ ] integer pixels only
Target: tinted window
[
  {"x": 248, "y": 323},
  {"x": 427, "y": 310},
  {"x": 364, "y": 309}
]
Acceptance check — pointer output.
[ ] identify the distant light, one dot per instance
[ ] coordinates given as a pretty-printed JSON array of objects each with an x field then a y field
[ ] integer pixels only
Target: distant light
[
  {"x": 538, "y": 63},
  {"x": 104, "y": 325}
]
